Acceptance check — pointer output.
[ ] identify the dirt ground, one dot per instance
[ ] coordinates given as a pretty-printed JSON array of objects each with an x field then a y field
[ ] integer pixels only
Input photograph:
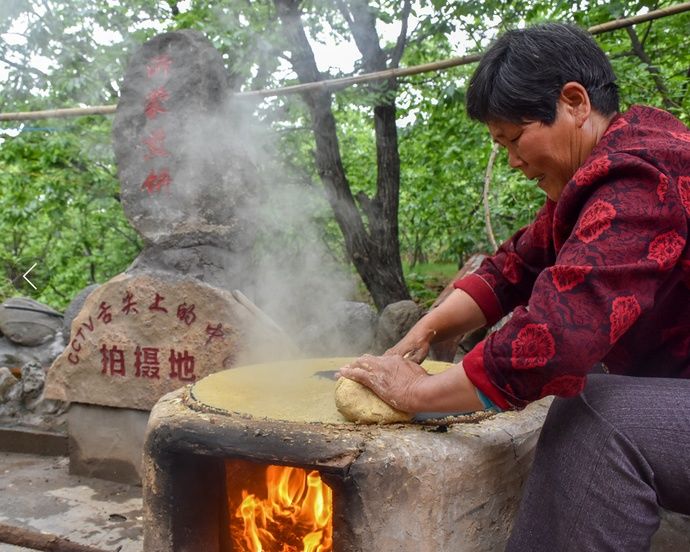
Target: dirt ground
[{"x": 38, "y": 494}]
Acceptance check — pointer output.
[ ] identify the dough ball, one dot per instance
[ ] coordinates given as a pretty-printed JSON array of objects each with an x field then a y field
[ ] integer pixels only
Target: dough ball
[{"x": 358, "y": 403}]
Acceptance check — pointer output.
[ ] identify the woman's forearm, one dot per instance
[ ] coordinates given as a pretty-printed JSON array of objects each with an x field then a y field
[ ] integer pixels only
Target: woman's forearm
[
  {"x": 457, "y": 314},
  {"x": 449, "y": 391}
]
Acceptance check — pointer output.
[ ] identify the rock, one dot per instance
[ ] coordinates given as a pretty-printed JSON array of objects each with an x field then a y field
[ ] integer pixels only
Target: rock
[
  {"x": 348, "y": 330},
  {"x": 22, "y": 400},
  {"x": 139, "y": 336},
  {"x": 15, "y": 356},
  {"x": 394, "y": 322},
  {"x": 33, "y": 378},
  {"x": 213, "y": 265},
  {"x": 7, "y": 381},
  {"x": 357, "y": 403},
  {"x": 182, "y": 162},
  {"x": 28, "y": 322},
  {"x": 73, "y": 309}
]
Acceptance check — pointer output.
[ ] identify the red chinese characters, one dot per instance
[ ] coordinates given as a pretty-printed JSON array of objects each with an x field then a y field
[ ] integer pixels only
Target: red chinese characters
[
  {"x": 157, "y": 69},
  {"x": 146, "y": 362},
  {"x": 129, "y": 304},
  {"x": 186, "y": 313},
  {"x": 154, "y": 102},
  {"x": 156, "y": 305},
  {"x": 156, "y": 181},
  {"x": 214, "y": 332},
  {"x": 154, "y": 144},
  {"x": 158, "y": 64},
  {"x": 113, "y": 361},
  {"x": 104, "y": 313},
  {"x": 181, "y": 366}
]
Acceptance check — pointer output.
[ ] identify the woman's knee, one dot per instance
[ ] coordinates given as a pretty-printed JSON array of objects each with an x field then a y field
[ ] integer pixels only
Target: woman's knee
[{"x": 574, "y": 420}]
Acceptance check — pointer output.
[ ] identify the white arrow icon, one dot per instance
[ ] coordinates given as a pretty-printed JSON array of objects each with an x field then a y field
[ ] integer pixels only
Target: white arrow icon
[{"x": 24, "y": 276}]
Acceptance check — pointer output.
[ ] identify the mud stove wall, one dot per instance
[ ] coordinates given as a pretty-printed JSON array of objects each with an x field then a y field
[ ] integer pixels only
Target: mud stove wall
[{"x": 395, "y": 488}]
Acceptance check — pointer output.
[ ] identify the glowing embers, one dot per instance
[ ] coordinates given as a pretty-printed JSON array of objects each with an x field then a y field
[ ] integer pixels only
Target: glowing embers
[{"x": 278, "y": 508}]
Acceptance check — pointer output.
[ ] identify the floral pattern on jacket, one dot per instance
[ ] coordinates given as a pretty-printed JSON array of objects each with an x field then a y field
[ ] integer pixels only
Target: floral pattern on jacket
[{"x": 603, "y": 275}]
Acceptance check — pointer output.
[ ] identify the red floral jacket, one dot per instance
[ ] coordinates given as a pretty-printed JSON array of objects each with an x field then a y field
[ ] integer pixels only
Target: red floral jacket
[{"x": 602, "y": 275}]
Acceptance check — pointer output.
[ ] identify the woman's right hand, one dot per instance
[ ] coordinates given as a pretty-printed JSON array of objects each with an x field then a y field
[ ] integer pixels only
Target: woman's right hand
[{"x": 414, "y": 346}]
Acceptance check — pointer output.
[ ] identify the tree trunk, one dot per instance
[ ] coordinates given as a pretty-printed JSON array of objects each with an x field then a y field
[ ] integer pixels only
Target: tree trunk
[{"x": 373, "y": 248}]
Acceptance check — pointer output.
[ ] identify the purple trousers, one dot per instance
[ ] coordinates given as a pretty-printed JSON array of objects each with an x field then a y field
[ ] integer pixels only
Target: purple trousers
[{"x": 605, "y": 462}]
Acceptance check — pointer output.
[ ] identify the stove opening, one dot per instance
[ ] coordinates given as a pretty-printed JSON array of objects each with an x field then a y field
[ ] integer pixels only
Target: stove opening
[{"x": 275, "y": 508}]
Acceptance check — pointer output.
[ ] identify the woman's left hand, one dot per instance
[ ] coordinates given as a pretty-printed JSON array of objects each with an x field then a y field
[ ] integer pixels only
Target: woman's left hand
[{"x": 393, "y": 378}]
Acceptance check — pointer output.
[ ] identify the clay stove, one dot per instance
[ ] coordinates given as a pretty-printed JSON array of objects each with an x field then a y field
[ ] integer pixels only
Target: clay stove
[{"x": 218, "y": 452}]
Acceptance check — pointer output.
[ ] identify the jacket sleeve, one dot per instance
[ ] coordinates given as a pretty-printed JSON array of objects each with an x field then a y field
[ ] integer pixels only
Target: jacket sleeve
[
  {"x": 628, "y": 236},
  {"x": 505, "y": 280}
]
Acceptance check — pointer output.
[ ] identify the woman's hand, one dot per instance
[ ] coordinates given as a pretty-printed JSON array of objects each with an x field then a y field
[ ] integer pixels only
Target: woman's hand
[
  {"x": 414, "y": 346},
  {"x": 396, "y": 380},
  {"x": 456, "y": 315}
]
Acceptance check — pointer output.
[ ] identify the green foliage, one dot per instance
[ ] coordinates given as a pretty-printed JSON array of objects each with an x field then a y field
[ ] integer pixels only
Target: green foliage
[
  {"x": 427, "y": 280},
  {"x": 58, "y": 190},
  {"x": 61, "y": 211}
]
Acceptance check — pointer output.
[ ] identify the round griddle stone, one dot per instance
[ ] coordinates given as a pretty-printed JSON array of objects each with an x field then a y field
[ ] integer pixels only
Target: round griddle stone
[{"x": 295, "y": 390}]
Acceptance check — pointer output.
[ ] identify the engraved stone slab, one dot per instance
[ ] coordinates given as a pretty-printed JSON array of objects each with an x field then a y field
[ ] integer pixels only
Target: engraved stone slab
[
  {"x": 182, "y": 163},
  {"x": 141, "y": 336}
]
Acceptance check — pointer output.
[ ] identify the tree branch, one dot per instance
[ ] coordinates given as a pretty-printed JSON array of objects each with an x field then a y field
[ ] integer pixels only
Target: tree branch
[
  {"x": 24, "y": 68},
  {"x": 653, "y": 70},
  {"x": 485, "y": 196},
  {"x": 174, "y": 9},
  {"x": 397, "y": 53}
]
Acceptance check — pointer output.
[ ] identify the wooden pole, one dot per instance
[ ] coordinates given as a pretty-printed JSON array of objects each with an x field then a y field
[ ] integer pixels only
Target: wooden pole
[
  {"x": 335, "y": 84},
  {"x": 35, "y": 540}
]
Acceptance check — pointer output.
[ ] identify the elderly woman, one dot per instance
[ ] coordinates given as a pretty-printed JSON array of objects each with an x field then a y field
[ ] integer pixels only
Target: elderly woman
[{"x": 599, "y": 281}]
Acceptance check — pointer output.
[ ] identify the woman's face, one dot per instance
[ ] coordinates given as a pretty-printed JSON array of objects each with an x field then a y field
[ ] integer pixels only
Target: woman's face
[{"x": 549, "y": 154}]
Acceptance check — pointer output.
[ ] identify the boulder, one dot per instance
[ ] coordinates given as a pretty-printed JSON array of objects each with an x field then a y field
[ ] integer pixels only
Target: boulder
[
  {"x": 139, "y": 336},
  {"x": 28, "y": 322},
  {"x": 182, "y": 163},
  {"x": 348, "y": 331},
  {"x": 394, "y": 322}
]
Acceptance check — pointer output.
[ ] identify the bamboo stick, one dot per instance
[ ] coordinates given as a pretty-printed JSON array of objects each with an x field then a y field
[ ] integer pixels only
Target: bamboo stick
[
  {"x": 291, "y": 349},
  {"x": 58, "y": 113},
  {"x": 635, "y": 19},
  {"x": 335, "y": 84}
]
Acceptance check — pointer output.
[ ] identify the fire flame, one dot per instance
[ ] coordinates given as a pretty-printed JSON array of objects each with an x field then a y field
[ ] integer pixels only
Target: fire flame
[{"x": 296, "y": 516}]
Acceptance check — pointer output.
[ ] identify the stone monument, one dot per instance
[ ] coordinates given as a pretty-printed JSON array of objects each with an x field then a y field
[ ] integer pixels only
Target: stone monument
[{"x": 187, "y": 186}]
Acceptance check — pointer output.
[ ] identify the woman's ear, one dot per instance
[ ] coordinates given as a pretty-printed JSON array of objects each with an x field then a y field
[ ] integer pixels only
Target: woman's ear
[{"x": 576, "y": 100}]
